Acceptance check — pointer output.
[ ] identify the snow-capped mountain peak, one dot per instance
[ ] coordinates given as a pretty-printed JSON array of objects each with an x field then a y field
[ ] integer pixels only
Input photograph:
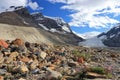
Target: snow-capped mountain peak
[
  {"x": 112, "y": 37},
  {"x": 53, "y": 24}
]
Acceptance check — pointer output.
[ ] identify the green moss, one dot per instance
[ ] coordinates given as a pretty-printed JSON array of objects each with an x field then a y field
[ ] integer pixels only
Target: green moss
[
  {"x": 85, "y": 56},
  {"x": 99, "y": 70},
  {"x": 109, "y": 75},
  {"x": 76, "y": 53}
]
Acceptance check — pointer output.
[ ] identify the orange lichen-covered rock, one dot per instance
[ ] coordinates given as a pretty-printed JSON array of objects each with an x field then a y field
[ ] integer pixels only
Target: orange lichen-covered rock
[
  {"x": 52, "y": 66},
  {"x": 3, "y": 43},
  {"x": 80, "y": 60},
  {"x": 18, "y": 42},
  {"x": 24, "y": 59},
  {"x": 1, "y": 78}
]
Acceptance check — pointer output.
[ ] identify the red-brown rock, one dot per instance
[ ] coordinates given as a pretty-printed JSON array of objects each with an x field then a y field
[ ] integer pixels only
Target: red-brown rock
[
  {"x": 18, "y": 42},
  {"x": 3, "y": 43},
  {"x": 80, "y": 60},
  {"x": 25, "y": 59},
  {"x": 1, "y": 78}
]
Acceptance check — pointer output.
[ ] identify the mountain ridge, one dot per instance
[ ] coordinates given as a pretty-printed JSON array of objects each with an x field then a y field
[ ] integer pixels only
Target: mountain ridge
[
  {"x": 111, "y": 37},
  {"x": 56, "y": 34}
]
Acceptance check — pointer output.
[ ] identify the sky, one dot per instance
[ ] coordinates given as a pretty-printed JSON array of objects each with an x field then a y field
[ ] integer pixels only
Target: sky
[{"x": 83, "y": 16}]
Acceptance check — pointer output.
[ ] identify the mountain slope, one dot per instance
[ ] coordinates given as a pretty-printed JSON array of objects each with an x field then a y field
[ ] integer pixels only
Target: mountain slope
[
  {"x": 20, "y": 24},
  {"x": 26, "y": 33},
  {"x": 110, "y": 38}
]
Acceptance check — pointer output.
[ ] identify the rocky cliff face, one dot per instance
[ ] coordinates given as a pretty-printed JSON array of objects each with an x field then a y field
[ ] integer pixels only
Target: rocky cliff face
[
  {"x": 112, "y": 37},
  {"x": 54, "y": 30}
]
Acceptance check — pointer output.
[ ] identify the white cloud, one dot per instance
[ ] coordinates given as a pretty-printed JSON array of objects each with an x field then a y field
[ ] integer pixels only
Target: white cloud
[
  {"x": 57, "y": 1},
  {"x": 5, "y": 4},
  {"x": 87, "y": 35},
  {"x": 94, "y": 13},
  {"x": 34, "y": 5}
]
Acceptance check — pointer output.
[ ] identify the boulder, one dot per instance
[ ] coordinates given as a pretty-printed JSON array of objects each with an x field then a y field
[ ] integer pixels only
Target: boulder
[
  {"x": 1, "y": 58},
  {"x": 18, "y": 42},
  {"x": 3, "y": 43},
  {"x": 34, "y": 64},
  {"x": 42, "y": 55},
  {"x": 94, "y": 75},
  {"x": 80, "y": 60},
  {"x": 23, "y": 68},
  {"x": 53, "y": 74},
  {"x": 21, "y": 79},
  {"x": 35, "y": 71},
  {"x": 57, "y": 61},
  {"x": 52, "y": 66},
  {"x": 1, "y": 78},
  {"x": 12, "y": 56},
  {"x": 2, "y": 71},
  {"x": 24, "y": 59},
  {"x": 72, "y": 64}
]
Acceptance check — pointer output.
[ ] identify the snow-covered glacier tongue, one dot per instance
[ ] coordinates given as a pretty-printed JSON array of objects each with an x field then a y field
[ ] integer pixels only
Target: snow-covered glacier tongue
[{"x": 92, "y": 42}]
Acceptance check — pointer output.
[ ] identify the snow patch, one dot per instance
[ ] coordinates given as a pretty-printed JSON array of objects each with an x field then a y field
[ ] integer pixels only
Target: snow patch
[
  {"x": 53, "y": 30},
  {"x": 59, "y": 20},
  {"x": 44, "y": 27},
  {"x": 66, "y": 28},
  {"x": 103, "y": 37},
  {"x": 34, "y": 13},
  {"x": 111, "y": 36},
  {"x": 25, "y": 22},
  {"x": 39, "y": 18}
]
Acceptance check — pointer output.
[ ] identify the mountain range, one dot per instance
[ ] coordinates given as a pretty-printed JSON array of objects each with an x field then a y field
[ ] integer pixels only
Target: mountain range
[
  {"x": 35, "y": 27},
  {"x": 111, "y": 38}
]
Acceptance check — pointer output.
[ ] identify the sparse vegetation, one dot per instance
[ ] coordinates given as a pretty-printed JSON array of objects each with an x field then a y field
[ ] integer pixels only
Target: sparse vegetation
[
  {"x": 109, "y": 75},
  {"x": 85, "y": 56},
  {"x": 99, "y": 70}
]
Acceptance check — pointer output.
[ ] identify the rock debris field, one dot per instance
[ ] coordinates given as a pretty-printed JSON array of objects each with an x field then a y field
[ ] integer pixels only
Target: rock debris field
[{"x": 20, "y": 60}]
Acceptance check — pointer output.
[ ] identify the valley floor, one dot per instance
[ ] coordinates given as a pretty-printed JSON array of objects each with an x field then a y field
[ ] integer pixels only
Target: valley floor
[{"x": 21, "y": 60}]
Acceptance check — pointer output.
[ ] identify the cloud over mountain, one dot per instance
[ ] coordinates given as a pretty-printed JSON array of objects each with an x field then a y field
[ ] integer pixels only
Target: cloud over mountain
[
  {"x": 34, "y": 5},
  {"x": 93, "y": 13},
  {"x": 5, "y": 4}
]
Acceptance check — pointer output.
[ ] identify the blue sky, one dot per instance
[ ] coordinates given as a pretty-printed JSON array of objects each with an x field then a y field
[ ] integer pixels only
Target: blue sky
[
  {"x": 82, "y": 15},
  {"x": 61, "y": 8}
]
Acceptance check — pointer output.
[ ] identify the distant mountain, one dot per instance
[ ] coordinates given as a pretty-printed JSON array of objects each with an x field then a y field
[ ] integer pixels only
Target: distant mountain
[
  {"x": 53, "y": 29},
  {"x": 112, "y": 37}
]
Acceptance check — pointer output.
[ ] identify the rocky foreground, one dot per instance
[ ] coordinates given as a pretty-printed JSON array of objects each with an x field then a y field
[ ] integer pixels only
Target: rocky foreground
[{"x": 21, "y": 60}]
